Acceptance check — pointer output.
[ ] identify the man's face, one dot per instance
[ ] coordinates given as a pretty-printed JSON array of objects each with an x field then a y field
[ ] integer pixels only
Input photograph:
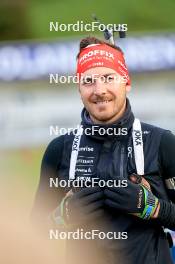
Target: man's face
[{"x": 103, "y": 92}]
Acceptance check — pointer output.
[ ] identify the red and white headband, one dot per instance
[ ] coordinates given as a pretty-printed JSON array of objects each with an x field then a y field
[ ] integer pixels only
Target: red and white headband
[{"x": 102, "y": 55}]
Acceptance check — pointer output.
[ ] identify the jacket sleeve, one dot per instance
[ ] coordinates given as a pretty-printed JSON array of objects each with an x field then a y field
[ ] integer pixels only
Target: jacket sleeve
[
  {"x": 47, "y": 198},
  {"x": 167, "y": 168},
  {"x": 167, "y": 162}
]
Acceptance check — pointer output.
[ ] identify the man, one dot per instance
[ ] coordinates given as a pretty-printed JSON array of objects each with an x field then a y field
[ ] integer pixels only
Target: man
[{"x": 111, "y": 145}]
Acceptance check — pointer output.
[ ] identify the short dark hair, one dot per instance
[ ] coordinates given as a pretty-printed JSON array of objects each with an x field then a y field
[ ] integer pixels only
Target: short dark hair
[{"x": 92, "y": 40}]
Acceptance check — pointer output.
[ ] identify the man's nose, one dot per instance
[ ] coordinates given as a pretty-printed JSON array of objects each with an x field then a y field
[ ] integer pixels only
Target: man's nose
[{"x": 99, "y": 87}]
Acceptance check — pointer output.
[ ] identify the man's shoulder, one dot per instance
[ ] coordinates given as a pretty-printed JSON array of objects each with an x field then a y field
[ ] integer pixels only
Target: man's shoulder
[
  {"x": 55, "y": 149},
  {"x": 152, "y": 129},
  {"x": 155, "y": 135},
  {"x": 61, "y": 140}
]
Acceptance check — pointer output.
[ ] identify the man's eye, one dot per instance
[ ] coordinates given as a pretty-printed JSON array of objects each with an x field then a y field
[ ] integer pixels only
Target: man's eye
[
  {"x": 108, "y": 78},
  {"x": 87, "y": 81}
]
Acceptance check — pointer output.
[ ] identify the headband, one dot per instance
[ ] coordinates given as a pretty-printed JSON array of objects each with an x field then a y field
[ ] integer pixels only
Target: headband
[{"x": 102, "y": 55}]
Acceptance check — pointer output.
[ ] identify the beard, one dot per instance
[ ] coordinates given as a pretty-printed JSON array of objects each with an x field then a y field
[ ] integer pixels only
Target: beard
[{"x": 106, "y": 114}]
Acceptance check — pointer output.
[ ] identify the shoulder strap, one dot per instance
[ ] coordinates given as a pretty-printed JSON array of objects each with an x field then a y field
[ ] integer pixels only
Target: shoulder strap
[
  {"x": 138, "y": 146},
  {"x": 74, "y": 153}
]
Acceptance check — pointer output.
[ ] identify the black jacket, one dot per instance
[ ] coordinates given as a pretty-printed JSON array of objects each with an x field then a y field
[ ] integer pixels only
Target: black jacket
[{"x": 112, "y": 156}]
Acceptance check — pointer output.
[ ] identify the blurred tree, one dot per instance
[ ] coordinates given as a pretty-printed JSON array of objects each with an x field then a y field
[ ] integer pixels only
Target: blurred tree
[{"x": 13, "y": 20}]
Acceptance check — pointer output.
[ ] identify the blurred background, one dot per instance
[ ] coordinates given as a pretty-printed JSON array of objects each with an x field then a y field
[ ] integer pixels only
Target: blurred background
[{"x": 29, "y": 52}]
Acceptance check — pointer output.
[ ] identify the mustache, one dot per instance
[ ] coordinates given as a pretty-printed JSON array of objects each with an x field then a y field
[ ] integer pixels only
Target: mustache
[{"x": 99, "y": 98}]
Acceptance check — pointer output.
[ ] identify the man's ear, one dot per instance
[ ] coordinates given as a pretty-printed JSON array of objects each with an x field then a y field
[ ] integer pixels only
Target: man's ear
[{"x": 128, "y": 88}]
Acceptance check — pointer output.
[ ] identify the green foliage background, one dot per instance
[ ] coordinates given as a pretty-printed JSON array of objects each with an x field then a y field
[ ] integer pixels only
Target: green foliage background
[{"x": 29, "y": 19}]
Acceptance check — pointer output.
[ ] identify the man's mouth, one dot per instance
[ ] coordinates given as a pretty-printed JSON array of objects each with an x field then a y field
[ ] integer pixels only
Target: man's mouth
[{"x": 102, "y": 102}]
